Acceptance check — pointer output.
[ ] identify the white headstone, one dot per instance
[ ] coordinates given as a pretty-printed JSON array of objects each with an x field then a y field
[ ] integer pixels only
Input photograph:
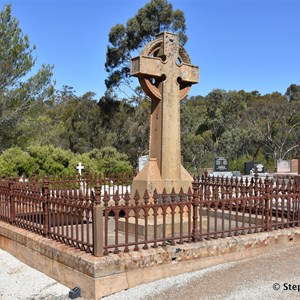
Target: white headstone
[
  {"x": 143, "y": 160},
  {"x": 80, "y": 167},
  {"x": 283, "y": 166}
]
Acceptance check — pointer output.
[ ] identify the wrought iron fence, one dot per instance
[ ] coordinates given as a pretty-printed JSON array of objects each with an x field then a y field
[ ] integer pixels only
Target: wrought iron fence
[
  {"x": 95, "y": 215},
  {"x": 60, "y": 208}
]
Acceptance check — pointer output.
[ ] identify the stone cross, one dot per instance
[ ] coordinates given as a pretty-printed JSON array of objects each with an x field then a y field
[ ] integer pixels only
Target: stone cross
[
  {"x": 80, "y": 167},
  {"x": 166, "y": 75}
]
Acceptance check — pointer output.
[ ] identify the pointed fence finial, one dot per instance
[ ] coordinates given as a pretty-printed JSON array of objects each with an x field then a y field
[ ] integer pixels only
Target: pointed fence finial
[
  {"x": 155, "y": 197},
  {"x": 146, "y": 197},
  {"x": 136, "y": 197}
]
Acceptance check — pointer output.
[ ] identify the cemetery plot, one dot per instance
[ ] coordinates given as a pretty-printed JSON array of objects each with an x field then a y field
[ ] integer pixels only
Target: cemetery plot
[{"x": 215, "y": 207}]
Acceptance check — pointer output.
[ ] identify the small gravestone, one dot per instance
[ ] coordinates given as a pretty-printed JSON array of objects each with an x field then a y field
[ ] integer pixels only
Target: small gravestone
[
  {"x": 283, "y": 166},
  {"x": 221, "y": 164},
  {"x": 143, "y": 160},
  {"x": 252, "y": 167},
  {"x": 294, "y": 166},
  {"x": 221, "y": 167},
  {"x": 249, "y": 167}
]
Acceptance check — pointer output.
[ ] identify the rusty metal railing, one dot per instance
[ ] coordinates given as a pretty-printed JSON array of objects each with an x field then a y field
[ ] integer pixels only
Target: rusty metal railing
[
  {"x": 213, "y": 208},
  {"x": 92, "y": 215}
]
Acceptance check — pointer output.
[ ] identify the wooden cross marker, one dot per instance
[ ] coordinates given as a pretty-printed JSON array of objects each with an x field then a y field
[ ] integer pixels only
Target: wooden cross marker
[
  {"x": 80, "y": 167},
  {"x": 166, "y": 75}
]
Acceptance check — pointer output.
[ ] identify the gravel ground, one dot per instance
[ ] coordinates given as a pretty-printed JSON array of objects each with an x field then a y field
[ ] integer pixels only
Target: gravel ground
[
  {"x": 19, "y": 281},
  {"x": 259, "y": 277}
]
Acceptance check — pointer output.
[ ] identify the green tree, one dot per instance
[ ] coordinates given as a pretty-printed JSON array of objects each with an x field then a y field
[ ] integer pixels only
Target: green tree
[
  {"x": 111, "y": 161},
  {"x": 133, "y": 134},
  {"x": 192, "y": 115},
  {"x": 224, "y": 112},
  {"x": 21, "y": 95},
  {"x": 124, "y": 41},
  {"x": 82, "y": 122},
  {"x": 91, "y": 165},
  {"x": 71, "y": 122},
  {"x": 102, "y": 161},
  {"x": 197, "y": 151},
  {"x": 196, "y": 144},
  {"x": 50, "y": 160},
  {"x": 277, "y": 122},
  {"x": 16, "y": 162},
  {"x": 293, "y": 92},
  {"x": 124, "y": 126}
]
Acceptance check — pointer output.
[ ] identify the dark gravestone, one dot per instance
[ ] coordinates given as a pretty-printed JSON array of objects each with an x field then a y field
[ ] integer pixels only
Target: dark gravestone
[
  {"x": 221, "y": 164},
  {"x": 249, "y": 165},
  {"x": 253, "y": 167}
]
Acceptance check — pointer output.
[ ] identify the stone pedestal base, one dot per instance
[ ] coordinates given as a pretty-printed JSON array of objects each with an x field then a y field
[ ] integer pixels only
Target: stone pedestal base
[
  {"x": 159, "y": 226},
  {"x": 150, "y": 178},
  {"x": 98, "y": 277}
]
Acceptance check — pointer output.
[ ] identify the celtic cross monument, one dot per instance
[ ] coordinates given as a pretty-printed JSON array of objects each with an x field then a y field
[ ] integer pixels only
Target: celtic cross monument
[{"x": 166, "y": 74}]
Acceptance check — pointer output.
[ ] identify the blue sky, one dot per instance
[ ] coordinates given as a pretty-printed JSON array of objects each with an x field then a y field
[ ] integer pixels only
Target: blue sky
[{"x": 245, "y": 44}]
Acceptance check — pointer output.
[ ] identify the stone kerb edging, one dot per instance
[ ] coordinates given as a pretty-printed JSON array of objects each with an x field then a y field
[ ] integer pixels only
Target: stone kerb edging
[{"x": 101, "y": 276}]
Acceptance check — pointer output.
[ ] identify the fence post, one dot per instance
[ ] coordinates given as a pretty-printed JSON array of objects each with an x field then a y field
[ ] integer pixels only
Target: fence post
[
  {"x": 297, "y": 177},
  {"x": 97, "y": 223},
  {"x": 195, "y": 205},
  {"x": 267, "y": 205},
  {"x": 45, "y": 193},
  {"x": 12, "y": 209}
]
